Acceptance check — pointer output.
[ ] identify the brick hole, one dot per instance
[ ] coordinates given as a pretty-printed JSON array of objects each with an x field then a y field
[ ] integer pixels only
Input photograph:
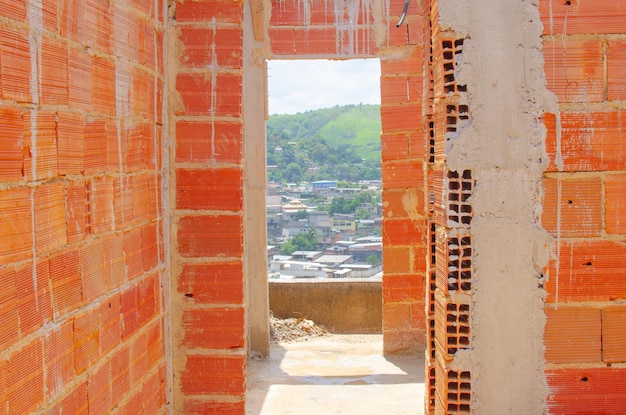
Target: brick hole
[
  {"x": 460, "y": 189},
  {"x": 431, "y": 141},
  {"x": 88, "y": 213},
  {"x": 458, "y": 402},
  {"x": 431, "y": 389},
  {"x": 433, "y": 287},
  {"x": 455, "y": 333},
  {"x": 451, "y": 124},
  {"x": 589, "y": 263},
  {"x": 433, "y": 243},
  {"x": 459, "y": 276},
  {"x": 432, "y": 345}
]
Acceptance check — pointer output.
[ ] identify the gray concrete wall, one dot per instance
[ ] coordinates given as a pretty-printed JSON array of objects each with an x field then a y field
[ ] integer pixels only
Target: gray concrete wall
[{"x": 341, "y": 305}]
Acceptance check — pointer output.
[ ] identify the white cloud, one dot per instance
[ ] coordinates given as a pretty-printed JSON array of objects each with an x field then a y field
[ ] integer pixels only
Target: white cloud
[{"x": 301, "y": 85}]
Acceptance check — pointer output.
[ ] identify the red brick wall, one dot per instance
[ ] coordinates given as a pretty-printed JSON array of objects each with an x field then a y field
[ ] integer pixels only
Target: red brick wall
[
  {"x": 585, "y": 331},
  {"x": 81, "y": 253},
  {"x": 207, "y": 200},
  {"x": 318, "y": 29}
]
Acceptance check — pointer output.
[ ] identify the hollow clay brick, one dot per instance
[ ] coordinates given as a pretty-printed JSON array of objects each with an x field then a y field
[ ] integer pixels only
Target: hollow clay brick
[
  {"x": 578, "y": 209},
  {"x": 221, "y": 46},
  {"x": 199, "y": 141},
  {"x": 214, "y": 375},
  {"x": 616, "y": 69},
  {"x": 589, "y": 271},
  {"x": 573, "y": 334},
  {"x": 586, "y": 390},
  {"x": 210, "y": 236},
  {"x": 403, "y": 287},
  {"x": 224, "y": 184},
  {"x": 206, "y": 10},
  {"x": 402, "y": 174},
  {"x": 214, "y": 283},
  {"x": 215, "y": 328},
  {"x": 614, "y": 334},
  {"x": 615, "y": 188},
  {"x": 25, "y": 381},
  {"x": 580, "y": 17},
  {"x": 590, "y": 141},
  {"x": 404, "y": 231},
  {"x": 574, "y": 70}
]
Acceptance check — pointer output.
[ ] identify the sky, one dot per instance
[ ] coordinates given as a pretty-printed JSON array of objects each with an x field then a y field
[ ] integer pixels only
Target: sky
[{"x": 301, "y": 85}]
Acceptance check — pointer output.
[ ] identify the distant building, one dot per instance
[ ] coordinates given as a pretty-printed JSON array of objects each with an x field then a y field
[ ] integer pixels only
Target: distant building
[
  {"x": 324, "y": 184},
  {"x": 319, "y": 218},
  {"x": 333, "y": 260},
  {"x": 364, "y": 225},
  {"x": 361, "y": 251},
  {"x": 343, "y": 222},
  {"x": 294, "y": 206},
  {"x": 306, "y": 255}
]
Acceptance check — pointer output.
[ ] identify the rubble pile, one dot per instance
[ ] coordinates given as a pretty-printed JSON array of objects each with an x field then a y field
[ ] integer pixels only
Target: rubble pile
[{"x": 291, "y": 329}]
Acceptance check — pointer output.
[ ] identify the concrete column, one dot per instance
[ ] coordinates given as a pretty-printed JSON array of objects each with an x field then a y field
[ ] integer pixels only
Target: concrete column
[
  {"x": 255, "y": 231},
  {"x": 504, "y": 148}
]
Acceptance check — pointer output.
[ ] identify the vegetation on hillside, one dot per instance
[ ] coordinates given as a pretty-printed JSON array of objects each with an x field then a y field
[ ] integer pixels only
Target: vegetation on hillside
[
  {"x": 306, "y": 241},
  {"x": 339, "y": 143},
  {"x": 342, "y": 205}
]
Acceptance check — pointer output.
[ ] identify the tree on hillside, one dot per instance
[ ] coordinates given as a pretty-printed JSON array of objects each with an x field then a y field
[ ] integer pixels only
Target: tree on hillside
[
  {"x": 306, "y": 241},
  {"x": 301, "y": 214},
  {"x": 293, "y": 173},
  {"x": 342, "y": 205},
  {"x": 372, "y": 259},
  {"x": 362, "y": 214}
]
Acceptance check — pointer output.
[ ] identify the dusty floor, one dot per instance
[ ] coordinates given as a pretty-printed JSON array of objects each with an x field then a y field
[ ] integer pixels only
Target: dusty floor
[{"x": 337, "y": 374}]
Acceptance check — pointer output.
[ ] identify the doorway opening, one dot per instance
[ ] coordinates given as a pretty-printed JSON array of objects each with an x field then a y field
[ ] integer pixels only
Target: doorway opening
[
  {"x": 324, "y": 189},
  {"x": 324, "y": 245}
]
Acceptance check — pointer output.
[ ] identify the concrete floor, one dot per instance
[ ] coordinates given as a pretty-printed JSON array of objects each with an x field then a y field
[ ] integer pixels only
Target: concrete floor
[{"x": 339, "y": 374}]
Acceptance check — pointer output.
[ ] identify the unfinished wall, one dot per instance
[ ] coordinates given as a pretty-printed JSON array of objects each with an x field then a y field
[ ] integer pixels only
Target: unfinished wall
[
  {"x": 82, "y": 317},
  {"x": 487, "y": 251},
  {"x": 326, "y": 29},
  {"x": 583, "y": 205},
  {"x": 341, "y": 305},
  {"x": 511, "y": 332},
  {"x": 205, "y": 55}
]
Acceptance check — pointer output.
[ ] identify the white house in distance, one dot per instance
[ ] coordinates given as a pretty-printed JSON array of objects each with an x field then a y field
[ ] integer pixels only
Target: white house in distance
[{"x": 294, "y": 206}]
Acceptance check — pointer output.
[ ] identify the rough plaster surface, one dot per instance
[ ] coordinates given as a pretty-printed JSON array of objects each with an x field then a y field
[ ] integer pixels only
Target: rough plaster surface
[
  {"x": 502, "y": 66},
  {"x": 174, "y": 298},
  {"x": 255, "y": 230}
]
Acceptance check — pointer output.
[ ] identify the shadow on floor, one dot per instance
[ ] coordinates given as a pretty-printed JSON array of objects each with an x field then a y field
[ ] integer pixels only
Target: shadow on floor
[{"x": 338, "y": 374}]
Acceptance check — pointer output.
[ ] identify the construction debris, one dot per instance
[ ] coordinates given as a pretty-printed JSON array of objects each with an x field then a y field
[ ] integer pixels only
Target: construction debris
[{"x": 291, "y": 329}]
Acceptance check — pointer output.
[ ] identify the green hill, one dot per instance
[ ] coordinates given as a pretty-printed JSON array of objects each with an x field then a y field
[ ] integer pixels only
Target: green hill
[
  {"x": 338, "y": 143},
  {"x": 357, "y": 126}
]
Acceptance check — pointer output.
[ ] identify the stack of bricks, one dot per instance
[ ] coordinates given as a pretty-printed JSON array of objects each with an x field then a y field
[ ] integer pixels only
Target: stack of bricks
[
  {"x": 449, "y": 214},
  {"x": 81, "y": 257},
  {"x": 208, "y": 317},
  {"x": 585, "y": 334}
]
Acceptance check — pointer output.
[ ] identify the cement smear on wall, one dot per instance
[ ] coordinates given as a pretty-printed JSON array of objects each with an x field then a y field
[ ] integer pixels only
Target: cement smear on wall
[{"x": 502, "y": 66}]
